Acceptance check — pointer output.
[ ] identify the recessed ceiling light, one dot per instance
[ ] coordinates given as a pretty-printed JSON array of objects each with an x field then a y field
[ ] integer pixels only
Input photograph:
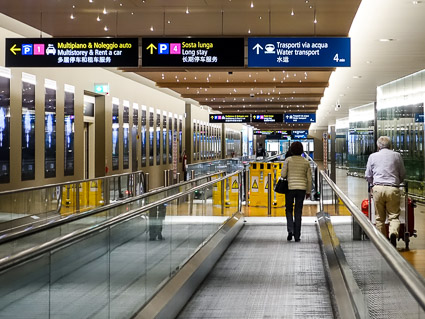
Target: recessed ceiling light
[
  {"x": 151, "y": 28},
  {"x": 98, "y": 19},
  {"x": 72, "y": 17},
  {"x": 252, "y": 4},
  {"x": 357, "y": 76},
  {"x": 104, "y": 11},
  {"x": 106, "y": 28},
  {"x": 386, "y": 40}
]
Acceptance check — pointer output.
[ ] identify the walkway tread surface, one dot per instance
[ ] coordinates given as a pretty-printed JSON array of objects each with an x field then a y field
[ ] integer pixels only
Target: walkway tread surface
[{"x": 262, "y": 275}]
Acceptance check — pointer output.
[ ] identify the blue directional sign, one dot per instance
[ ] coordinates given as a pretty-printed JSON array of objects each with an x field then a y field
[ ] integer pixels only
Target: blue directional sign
[
  {"x": 300, "y": 118},
  {"x": 299, "y": 52},
  {"x": 299, "y": 134},
  {"x": 419, "y": 118}
]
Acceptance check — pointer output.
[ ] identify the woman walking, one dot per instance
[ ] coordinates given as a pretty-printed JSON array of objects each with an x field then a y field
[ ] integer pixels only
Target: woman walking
[{"x": 298, "y": 173}]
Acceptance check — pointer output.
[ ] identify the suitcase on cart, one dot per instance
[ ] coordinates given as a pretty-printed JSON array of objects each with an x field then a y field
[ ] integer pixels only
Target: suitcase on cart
[{"x": 407, "y": 215}]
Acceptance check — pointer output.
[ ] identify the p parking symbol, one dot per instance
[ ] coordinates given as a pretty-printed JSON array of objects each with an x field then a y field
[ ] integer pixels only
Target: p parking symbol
[{"x": 163, "y": 48}]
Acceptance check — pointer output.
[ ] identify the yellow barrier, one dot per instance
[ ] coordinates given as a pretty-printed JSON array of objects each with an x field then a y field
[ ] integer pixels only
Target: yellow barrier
[
  {"x": 278, "y": 199},
  {"x": 259, "y": 184},
  {"x": 216, "y": 194},
  {"x": 232, "y": 191}
]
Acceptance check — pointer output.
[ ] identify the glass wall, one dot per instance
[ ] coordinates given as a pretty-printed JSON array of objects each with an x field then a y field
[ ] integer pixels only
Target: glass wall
[
  {"x": 49, "y": 128},
  {"x": 400, "y": 116},
  {"x": 4, "y": 125},
  {"x": 361, "y": 139},
  {"x": 170, "y": 138},
  {"x": 151, "y": 135},
  {"x": 143, "y": 137},
  {"x": 126, "y": 147},
  {"x": 164, "y": 138},
  {"x": 180, "y": 138},
  {"x": 135, "y": 137},
  {"x": 115, "y": 134},
  {"x": 341, "y": 142},
  {"x": 158, "y": 137},
  {"x": 69, "y": 130},
  {"x": 28, "y": 127}
]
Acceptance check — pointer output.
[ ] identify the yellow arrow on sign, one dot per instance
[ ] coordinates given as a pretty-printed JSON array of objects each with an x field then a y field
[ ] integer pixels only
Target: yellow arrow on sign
[
  {"x": 14, "y": 49},
  {"x": 151, "y": 47}
]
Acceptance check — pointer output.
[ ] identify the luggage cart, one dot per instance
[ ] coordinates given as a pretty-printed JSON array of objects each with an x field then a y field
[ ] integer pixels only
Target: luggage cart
[{"x": 407, "y": 216}]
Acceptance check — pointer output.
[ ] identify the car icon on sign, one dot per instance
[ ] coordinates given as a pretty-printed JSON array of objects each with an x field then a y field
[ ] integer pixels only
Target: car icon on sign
[
  {"x": 269, "y": 48},
  {"x": 50, "y": 50}
]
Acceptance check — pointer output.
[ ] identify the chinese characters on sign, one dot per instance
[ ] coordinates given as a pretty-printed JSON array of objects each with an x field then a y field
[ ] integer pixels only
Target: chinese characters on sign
[
  {"x": 192, "y": 52},
  {"x": 68, "y": 52}
]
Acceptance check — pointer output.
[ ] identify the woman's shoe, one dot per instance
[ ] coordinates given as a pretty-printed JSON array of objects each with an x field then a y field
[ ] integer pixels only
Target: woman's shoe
[
  {"x": 289, "y": 238},
  {"x": 297, "y": 240}
]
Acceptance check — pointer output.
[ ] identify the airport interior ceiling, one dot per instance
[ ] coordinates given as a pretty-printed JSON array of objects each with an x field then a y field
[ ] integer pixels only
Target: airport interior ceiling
[{"x": 247, "y": 89}]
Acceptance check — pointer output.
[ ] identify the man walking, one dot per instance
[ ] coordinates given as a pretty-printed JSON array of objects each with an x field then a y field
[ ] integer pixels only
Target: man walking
[{"x": 385, "y": 171}]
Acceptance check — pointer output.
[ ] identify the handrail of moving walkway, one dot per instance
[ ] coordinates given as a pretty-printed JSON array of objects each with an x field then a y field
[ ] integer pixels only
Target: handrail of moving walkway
[
  {"x": 83, "y": 233},
  {"x": 414, "y": 282},
  {"x": 27, "y": 231}
]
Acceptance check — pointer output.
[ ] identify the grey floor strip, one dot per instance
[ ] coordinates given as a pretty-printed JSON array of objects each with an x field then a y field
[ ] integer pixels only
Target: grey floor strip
[{"x": 262, "y": 275}]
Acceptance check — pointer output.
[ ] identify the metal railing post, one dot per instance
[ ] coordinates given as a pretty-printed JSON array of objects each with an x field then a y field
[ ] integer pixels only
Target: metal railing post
[
  {"x": 223, "y": 195},
  {"x": 77, "y": 197},
  {"x": 146, "y": 186},
  {"x": 166, "y": 183},
  {"x": 192, "y": 174},
  {"x": 106, "y": 195},
  {"x": 269, "y": 194}
]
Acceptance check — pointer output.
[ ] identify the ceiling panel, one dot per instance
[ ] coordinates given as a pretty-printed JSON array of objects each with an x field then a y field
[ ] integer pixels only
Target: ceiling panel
[{"x": 259, "y": 89}]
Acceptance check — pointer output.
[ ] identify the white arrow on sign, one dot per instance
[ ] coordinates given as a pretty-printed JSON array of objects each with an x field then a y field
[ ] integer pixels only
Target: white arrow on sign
[{"x": 258, "y": 47}]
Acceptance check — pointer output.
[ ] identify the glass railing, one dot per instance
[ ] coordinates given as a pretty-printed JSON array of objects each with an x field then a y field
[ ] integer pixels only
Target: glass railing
[
  {"x": 34, "y": 235},
  {"x": 32, "y": 204},
  {"x": 229, "y": 165},
  {"x": 109, "y": 270},
  {"x": 388, "y": 285}
]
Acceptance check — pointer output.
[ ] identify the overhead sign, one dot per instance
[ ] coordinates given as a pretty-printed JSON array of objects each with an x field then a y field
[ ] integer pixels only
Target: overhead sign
[
  {"x": 267, "y": 132},
  {"x": 360, "y": 131},
  {"x": 192, "y": 52},
  {"x": 267, "y": 118},
  {"x": 72, "y": 52},
  {"x": 230, "y": 118},
  {"x": 299, "y": 134},
  {"x": 261, "y": 132},
  {"x": 419, "y": 118},
  {"x": 300, "y": 118},
  {"x": 299, "y": 52}
]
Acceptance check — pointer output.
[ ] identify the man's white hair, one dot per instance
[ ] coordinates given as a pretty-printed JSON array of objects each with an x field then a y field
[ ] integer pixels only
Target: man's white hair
[{"x": 383, "y": 142}]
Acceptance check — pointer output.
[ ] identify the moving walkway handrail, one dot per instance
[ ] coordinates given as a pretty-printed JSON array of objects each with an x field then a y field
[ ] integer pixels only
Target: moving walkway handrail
[
  {"x": 414, "y": 282},
  {"x": 27, "y": 231},
  {"x": 82, "y": 233}
]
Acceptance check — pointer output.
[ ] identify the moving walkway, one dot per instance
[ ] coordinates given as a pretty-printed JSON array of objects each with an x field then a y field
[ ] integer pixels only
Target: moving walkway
[{"x": 342, "y": 268}]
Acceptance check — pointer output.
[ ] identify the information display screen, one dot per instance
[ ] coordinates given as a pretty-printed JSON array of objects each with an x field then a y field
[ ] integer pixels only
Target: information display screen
[
  {"x": 230, "y": 118},
  {"x": 72, "y": 52},
  {"x": 192, "y": 52}
]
